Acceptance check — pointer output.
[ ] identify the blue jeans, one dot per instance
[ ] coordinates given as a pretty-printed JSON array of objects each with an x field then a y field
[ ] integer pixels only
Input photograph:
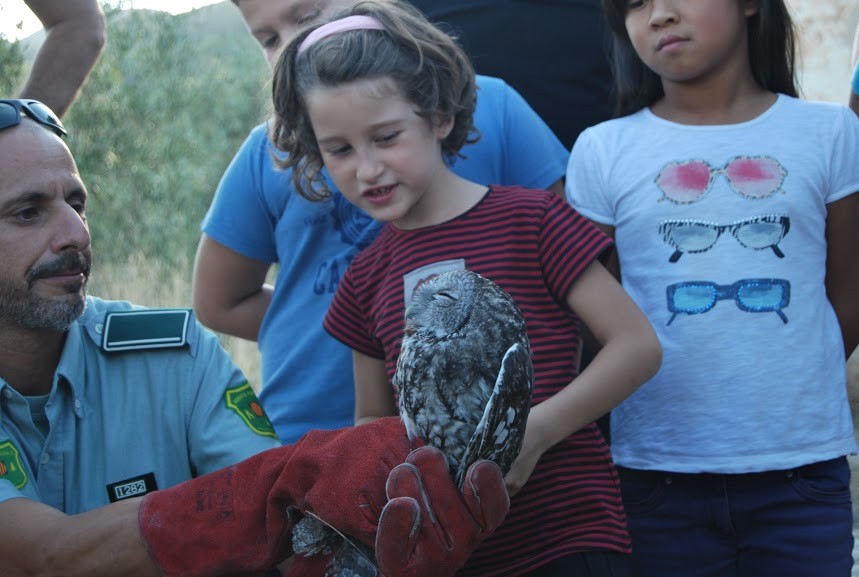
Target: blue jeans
[{"x": 789, "y": 523}]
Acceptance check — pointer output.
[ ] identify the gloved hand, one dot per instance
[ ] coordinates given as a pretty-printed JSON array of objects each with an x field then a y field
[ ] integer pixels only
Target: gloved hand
[
  {"x": 238, "y": 520},
  {"x": 429, "y": 528}
]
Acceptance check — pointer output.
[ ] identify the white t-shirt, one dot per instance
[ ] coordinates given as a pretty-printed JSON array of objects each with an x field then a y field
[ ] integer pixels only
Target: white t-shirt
[{"x": 720, "y": 232}]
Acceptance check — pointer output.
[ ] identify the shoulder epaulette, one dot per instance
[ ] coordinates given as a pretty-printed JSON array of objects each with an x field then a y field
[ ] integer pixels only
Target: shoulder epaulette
[{"x": 145, "y": 329}]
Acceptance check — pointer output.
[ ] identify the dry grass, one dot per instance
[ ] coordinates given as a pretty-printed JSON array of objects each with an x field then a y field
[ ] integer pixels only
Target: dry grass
[{"x": 151, "y": 283}]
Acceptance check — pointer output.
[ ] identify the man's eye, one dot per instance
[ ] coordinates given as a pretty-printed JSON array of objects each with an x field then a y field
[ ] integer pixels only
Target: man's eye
[{"x": 27, "y": 214}]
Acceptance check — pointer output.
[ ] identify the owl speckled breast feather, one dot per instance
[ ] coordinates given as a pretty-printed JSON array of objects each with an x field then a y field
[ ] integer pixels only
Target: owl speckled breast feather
[
  {"x": 464, "y": 373},
  {"x": 464, "y": 378}
]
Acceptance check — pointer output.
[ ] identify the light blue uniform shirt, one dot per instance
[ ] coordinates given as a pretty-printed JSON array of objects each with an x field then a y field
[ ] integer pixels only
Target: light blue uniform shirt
[{"x": 126, "y": 422}]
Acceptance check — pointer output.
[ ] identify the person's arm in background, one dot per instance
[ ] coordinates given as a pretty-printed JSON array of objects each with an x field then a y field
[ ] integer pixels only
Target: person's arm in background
[
  {"x": 238, "y": 245},
  {"x": 854, "y": 92},
  {"x": 75, "y": 33},
  {"x": 230, "y": 292}
]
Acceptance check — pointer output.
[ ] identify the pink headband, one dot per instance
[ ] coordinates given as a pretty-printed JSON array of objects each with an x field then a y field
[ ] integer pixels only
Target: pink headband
[{"x": 359, "y": 22}]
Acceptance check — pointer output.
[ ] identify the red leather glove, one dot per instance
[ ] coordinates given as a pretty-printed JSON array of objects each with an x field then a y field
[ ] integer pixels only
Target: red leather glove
[
  {"x": 429, "y": 528},
  {"x": 238, "y": 521}
]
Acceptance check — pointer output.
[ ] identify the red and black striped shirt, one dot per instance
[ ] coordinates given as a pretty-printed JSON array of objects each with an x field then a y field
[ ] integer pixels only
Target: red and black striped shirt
[{"x": 533, "y": 245}]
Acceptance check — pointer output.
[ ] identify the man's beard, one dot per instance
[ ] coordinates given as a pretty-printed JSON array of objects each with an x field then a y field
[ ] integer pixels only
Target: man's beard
[{"x": 24, "y": 308}]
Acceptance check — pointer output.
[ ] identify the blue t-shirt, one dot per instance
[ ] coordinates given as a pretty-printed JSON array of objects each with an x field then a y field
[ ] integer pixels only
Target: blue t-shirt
[
  {"x": 127, "y": 422},
  {"x": 306, "y": 374}
]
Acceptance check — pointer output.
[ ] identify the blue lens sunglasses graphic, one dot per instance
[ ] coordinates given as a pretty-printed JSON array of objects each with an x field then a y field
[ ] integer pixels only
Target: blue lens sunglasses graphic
[
  {"x": 757, "y": 295},
  {"x": 693, "y": 236}
]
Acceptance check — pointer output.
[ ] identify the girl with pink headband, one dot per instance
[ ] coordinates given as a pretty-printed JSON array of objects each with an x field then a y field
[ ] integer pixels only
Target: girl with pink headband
[{"x": 383, "y": 100}]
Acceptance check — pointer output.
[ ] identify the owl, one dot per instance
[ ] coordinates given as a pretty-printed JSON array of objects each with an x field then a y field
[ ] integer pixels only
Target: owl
[
  {"x": 464, "y": 379},
  {"x": 464, "y": 374}
]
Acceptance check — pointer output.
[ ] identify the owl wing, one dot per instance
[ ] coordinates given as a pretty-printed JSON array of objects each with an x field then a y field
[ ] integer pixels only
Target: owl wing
[
  {"x": 499, "y": 433},
  {"x": 349, "y": 558},
  {"x": 411, "y": 366}
]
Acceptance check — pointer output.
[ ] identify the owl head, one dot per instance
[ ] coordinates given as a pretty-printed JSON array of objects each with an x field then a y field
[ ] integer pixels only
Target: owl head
[{"x": 457, "y": 302}]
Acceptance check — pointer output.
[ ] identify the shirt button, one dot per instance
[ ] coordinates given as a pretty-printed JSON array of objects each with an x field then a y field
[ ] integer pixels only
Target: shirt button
[
  {"x": 7, "y": 393},
  {"x": 45, "y": 458},
  {"x": 99, "y": 328},
  {"x": 77, "y": 403}
]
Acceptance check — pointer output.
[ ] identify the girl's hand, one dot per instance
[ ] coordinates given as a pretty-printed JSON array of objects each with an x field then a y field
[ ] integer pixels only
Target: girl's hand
[{"x": 525, "y": 463}]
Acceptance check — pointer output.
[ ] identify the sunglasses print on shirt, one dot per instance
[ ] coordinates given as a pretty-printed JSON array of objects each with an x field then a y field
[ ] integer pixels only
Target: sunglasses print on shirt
[
  {"x": 757, "y": 295},
  {"x": 753, "y": 177},
  {"x": 695, "y": 236}
]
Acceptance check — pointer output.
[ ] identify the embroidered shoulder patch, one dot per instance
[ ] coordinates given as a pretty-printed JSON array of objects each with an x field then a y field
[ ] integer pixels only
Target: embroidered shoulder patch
[
  {"x": 11, "y": 468},
  {"x": 145, "y": 329},
  {"x": 244, "y": 402}
]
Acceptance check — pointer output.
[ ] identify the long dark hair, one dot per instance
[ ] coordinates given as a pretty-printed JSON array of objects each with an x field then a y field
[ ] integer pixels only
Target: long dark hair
[{"x": 772, "y": 55}]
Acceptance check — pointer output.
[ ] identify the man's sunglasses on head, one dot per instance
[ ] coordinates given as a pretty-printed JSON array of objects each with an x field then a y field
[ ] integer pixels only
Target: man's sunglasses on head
[{"x": 11, "y": 109}]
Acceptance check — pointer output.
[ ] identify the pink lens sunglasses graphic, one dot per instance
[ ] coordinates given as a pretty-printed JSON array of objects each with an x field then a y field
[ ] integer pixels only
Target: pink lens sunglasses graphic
[{"x": 754, "y": 177}]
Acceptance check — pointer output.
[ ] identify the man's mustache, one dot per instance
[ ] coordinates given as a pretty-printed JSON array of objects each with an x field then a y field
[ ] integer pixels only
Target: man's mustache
[{"x": 69, "y": 262}]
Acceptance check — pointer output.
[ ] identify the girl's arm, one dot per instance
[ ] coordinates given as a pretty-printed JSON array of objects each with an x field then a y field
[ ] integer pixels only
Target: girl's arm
[
  {"x": 842, "y": 272},
  {"x": 611, "y": 262},
  {"x": 229, "y": 290},
  {"x": 629, "y": 356},
  {"x": 374, "y": 394}
]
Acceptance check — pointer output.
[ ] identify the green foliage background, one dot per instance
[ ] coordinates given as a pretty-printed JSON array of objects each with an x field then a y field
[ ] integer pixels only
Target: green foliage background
[
  {"x": 162, "y": 114},
  {"x": 11, "y": 66}
]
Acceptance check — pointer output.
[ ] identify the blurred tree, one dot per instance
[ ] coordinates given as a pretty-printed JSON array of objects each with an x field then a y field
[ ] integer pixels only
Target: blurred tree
[
  {"x": 164, "y": 111},
  {"x": 166, "y": 108},
  {"x": 11, "y": 66}
]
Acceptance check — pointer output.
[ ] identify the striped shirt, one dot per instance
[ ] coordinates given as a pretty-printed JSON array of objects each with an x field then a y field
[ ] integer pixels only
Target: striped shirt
[{"x": 533, "y": 245}]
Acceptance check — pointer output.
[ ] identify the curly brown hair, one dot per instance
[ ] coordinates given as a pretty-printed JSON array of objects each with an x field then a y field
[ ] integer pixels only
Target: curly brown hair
[{"x": 425, "y": 64}]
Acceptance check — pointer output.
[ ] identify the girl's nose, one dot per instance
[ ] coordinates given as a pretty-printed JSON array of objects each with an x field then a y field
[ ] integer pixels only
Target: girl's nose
[
  {"x": 369, "y": 167},
  {"x": 662, "y": 12}
]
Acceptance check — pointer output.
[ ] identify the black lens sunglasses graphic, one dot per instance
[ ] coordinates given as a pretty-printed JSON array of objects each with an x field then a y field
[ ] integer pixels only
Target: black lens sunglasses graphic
[
  {"x": 757, "y": 295},
  {"x": 757, "y": 233}
]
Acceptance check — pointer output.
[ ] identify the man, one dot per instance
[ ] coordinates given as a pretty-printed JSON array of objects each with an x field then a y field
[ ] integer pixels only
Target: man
[
  {"x": 257, "y": 219},
  {"x": 123, "y": 430},
  {"x": 75, "y": 32}
]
